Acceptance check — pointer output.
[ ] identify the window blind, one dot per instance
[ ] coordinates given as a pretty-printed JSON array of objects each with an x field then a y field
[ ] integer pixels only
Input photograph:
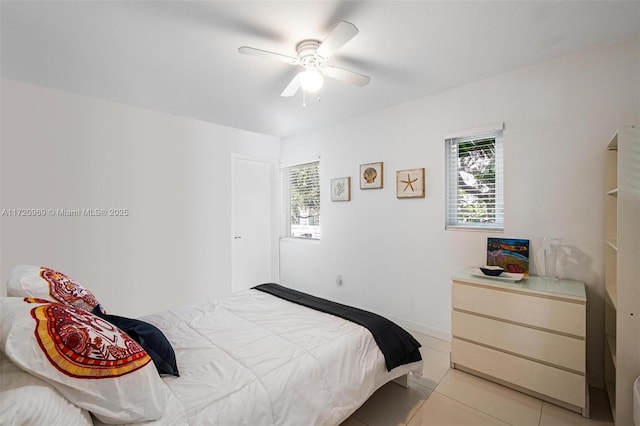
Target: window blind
[
  {"x": 301, "y": 200},
  {"x": 475, "y": 183}
]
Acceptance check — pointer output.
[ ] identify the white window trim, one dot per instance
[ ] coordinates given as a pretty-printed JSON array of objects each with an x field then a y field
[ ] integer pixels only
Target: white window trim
[
  {"x": 472, "y": 134},
  {"x": 285, "y": 208},
  {"x": 474, "y": 131}
]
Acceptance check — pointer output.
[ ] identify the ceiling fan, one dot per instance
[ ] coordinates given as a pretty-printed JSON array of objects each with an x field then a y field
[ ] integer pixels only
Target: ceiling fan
[{"x": 311, "y": 55}]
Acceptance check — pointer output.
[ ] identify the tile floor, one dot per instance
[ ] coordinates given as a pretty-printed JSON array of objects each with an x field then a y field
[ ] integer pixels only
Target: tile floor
[{"x": 444, "y": 397}]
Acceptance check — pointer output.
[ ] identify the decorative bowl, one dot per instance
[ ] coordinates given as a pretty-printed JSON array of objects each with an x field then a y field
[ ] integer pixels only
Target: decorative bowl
[{"x": 492, "y": 271}]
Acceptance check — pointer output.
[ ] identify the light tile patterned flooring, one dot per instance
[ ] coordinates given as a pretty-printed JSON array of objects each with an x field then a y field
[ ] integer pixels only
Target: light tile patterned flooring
[{"x": 445, "y": 397}]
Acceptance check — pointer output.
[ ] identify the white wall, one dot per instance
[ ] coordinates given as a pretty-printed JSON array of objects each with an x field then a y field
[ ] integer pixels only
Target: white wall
[
  {"x": 173, "y": 174},
  {"x": 395, "y": 256}
]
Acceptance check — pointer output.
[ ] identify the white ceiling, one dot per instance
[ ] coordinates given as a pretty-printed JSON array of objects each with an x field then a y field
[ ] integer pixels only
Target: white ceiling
[{"x": 181, "y": 57}]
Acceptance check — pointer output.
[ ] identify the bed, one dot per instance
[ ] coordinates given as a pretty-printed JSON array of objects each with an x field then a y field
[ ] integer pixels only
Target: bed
[{"x": 252, "y": 358}]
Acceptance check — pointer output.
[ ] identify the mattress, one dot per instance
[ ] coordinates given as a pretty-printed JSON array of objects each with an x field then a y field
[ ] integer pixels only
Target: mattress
[{"x": 254, "y": 359}]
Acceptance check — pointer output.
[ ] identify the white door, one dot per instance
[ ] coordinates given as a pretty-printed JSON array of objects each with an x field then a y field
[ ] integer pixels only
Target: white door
[{"x": 252, "y": 223}]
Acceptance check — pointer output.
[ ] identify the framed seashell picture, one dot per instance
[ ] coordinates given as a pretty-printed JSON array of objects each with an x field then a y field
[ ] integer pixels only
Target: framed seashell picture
[{"x": 371, "y": 175}]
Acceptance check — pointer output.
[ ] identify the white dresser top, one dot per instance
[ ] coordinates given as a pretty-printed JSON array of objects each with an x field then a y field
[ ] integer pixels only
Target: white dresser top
[{"x": 566, "y": 288}]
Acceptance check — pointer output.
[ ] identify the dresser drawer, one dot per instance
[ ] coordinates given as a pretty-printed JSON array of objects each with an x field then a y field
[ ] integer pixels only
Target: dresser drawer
[
  {"x": 562, "y": 351},
  {"x": 556, "y": 383},
  {"x": 537, "y": 311}
]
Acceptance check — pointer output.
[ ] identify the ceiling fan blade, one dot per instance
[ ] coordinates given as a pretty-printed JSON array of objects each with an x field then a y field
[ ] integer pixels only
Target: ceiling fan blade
[
  {"x": 246, "y": 50},
  {"x": 292, "y": 87},
  {"x": 347, "y": 76},
  {"x": 342, "y": 33}
]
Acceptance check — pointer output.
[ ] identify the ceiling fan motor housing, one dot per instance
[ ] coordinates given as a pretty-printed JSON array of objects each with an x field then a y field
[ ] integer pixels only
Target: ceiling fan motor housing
[{"x": 308, "y": 53}]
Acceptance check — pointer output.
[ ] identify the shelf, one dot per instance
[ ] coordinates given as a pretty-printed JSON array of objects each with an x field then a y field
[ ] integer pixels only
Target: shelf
[
  {"x": 611, "y": 391},
  {"x": 611, "y": 343},
  {"x": 613, "y": 143},
  {"x": 621, "y": 271},
  {"x": 613, "y": 296}
]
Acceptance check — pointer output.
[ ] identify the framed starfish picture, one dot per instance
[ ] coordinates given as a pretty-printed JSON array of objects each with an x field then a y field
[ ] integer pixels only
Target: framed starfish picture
[{"x": 410, "y": 183}]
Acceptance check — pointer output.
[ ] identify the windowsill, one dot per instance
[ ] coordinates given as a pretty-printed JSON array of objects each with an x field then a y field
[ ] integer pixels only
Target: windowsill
[
  {"x": 470, "y": 228},
  {"x": 295, "y": 240}
]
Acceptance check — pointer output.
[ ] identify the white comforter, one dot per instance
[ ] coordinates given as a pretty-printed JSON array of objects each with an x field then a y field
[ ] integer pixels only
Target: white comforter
[{"x": 254, "y": 359}]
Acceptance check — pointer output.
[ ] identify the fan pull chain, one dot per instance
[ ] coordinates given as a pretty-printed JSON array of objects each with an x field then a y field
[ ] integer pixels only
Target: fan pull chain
[{"x": 304, "y": 98}]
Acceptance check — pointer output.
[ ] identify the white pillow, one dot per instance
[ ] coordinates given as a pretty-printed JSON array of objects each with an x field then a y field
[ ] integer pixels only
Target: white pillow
[
  {"x": 45, "y": 283},
  {"x": 27, "y": 400},
  {"x": 91, "y": 362}
]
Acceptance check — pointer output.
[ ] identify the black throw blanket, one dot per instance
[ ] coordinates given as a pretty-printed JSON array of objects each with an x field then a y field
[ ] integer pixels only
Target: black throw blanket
[{"x": 397, "y": 345}]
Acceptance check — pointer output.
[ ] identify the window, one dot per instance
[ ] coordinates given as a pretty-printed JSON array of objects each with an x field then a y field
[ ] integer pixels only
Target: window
[
  {"x": 474, "y": 193},
  {"x": 301, "y": 200}
]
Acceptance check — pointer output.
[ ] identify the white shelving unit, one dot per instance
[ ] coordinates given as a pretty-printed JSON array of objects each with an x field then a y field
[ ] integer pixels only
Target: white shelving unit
[{"x": 622, "y": 271}]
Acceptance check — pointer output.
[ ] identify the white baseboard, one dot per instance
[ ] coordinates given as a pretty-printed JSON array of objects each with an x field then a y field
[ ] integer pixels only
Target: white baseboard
[{"x": 418, "y": 327}]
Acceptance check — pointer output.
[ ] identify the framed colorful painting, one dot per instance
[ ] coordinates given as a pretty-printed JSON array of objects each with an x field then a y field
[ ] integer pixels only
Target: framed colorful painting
[{"x": 510, "y": 253}]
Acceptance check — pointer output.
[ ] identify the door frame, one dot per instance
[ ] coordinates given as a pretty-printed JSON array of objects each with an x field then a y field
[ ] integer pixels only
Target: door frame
[{"x": 274, "y": 166}]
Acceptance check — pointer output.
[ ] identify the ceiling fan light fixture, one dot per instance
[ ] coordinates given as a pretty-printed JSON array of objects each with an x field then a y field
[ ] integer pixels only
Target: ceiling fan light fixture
[
  {"x": 311, "y": 55},
  {"x": 311, "y": 80}
]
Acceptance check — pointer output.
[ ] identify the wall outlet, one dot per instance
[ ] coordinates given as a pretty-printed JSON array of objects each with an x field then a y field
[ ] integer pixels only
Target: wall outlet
[{"x": 339, "y": 280}]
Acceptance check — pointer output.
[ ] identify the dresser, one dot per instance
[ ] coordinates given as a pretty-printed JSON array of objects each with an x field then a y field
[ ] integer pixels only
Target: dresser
[{"x": 529, "y": 335}]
